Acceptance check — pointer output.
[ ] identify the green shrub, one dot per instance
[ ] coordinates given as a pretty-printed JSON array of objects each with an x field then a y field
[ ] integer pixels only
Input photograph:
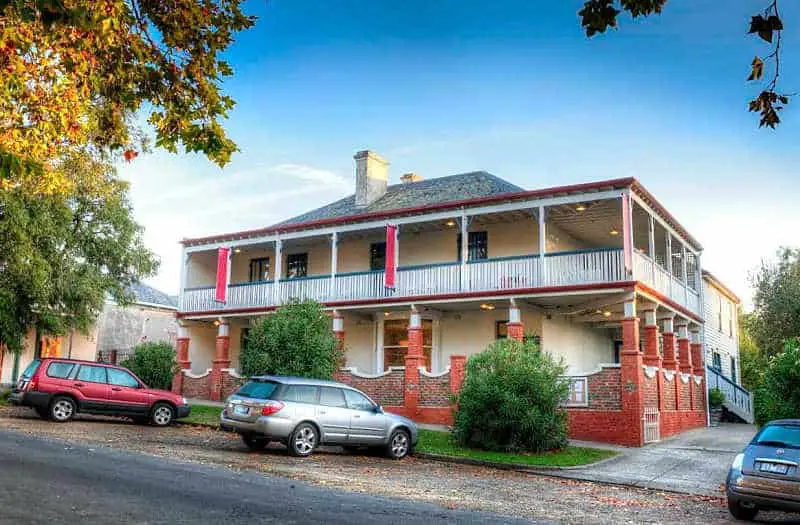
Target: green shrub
[
  {"x": 297, "y": 340},
  {"x": 4, "y": 395},
  {"x": 154, "y": 362},
  {"x": 778, "y": 397},
  {"x": 716, "y": 398},
  {"x": 511, "y": 400}
]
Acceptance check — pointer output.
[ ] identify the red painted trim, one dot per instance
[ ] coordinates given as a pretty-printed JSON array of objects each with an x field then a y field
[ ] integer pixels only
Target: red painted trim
[
  {"x": 672, "y": 304},
  {"x": 574, "y": 188},
  {"x": 406, "y": 299}
]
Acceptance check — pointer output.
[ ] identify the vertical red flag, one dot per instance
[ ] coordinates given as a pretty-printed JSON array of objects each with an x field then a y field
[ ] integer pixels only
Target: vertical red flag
[
  {"x": 221, "y": 292},
  {"x": 390, "y": 275},
  {"x": 627, "y": 234}
]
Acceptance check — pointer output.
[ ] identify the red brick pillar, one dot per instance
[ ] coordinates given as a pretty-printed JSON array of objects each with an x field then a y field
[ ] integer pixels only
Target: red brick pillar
[
  {"x": 632, "y": 376},
  {"x": 670, "y": 361},
  {"x": 698, "y": 367},
  {"x": 457, "y": 369},
  {"x": 652, "y": 357},
  {"x": 414, "y": 359},
  {"x": 221, "y": 360},
  {"x": 684, "y": 357},
  {"x": 514, "y": 326},
  {"x": 182, "y": 356}
]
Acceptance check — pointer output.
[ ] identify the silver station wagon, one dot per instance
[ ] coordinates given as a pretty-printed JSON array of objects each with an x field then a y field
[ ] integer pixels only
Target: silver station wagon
[{"x": 306, "y": 413}]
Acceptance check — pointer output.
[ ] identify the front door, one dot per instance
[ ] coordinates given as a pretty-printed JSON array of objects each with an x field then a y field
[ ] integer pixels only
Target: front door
[
  {"x": 127, "y": 395},
  {"x": 367, "y": 425},
  {"x": 333, "y": 414},
  {"x": 92, "y": 383}
]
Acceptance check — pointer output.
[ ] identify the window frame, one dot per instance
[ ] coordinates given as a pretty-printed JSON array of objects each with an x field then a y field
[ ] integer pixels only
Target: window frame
[
  {"x": 733, "y": 368},
  {"x": 82, "y": 366},
  {"x": 121, "y": 371},
  {"x": 375, "y": 256},
  {"x": 473, "y": 246},
  {"x": 258, "y": 263},
  {"x": 293, "y": 261},
  {"x": 62, "y": 363},
  {"x": 287, "y": 388},
  {"x": 337, "y": 389},
  {"x": 354, "y": 392},
  {"x": 716, "y": 360}
]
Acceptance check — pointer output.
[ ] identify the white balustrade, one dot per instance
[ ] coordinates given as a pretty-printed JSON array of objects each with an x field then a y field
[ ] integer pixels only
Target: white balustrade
[
  {"x": 361, "y": 285},
  {"x": 661, "y": 281},
  {"x": 596, "y": 266},
  {"x": 503, "y": 274},
  {"x": 426, "y": 280},
  {"x": 317, "y": 287}
]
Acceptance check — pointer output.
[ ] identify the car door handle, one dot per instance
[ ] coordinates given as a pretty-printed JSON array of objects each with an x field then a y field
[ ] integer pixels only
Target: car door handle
[
  {"x": 322, "y": 412},
  {"x": 356, "y": 415},
  {"x": 79, "y": 385},
  {"x": 116, "y": 389}
]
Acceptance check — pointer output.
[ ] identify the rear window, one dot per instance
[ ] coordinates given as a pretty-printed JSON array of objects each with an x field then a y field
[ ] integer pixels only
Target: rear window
[
  {"x": 783, "y": 436},
  {"x": 31, "y": 369},
  {"x": 301, "y": 394},
  {"x": 60, "y": 370},
  {"x": 257, "y": 389}
]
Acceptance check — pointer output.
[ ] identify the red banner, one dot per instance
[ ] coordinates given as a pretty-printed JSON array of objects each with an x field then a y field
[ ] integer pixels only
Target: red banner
[
  {"x": 221, "y": 292},
  {"x": 627, "y": 231},
  {"x": 390, "y": 275}
]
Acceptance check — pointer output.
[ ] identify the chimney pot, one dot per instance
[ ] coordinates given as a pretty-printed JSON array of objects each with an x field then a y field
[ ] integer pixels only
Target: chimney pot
[
  {"x": 372, "y": 177},
  {"x": 410, "y": 177}
]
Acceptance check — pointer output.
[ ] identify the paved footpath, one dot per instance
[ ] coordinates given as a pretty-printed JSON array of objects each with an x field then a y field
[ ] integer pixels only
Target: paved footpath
[
  {"x": 193, "y": 458},
  {"x": 694, "y": 462}
]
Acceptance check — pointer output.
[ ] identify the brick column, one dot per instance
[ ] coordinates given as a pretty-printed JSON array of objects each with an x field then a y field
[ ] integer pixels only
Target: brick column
[
  {"x": 632, "y": 376},
  {"x": 651, "y": 355},
  {"x": 457, "y": 369},
  {"x": 514, "y": 326},
  {"x": 698, "y": 366},
  {"x": 670, "y": 361},
  {"x": 182, "y": 356},
  {"x": 221, "y": 360},
  {"x": 414, "y": 359},
  {"x": 684, "y": 357}
]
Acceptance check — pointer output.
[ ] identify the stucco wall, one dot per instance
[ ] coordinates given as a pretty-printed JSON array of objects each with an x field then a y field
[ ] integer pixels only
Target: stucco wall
[
  {"x": 123, "y": 328},
  {"x": 202, "y": 347},
  {"x": 581, "y": 346},
  {"x": 359, "y": 342}
]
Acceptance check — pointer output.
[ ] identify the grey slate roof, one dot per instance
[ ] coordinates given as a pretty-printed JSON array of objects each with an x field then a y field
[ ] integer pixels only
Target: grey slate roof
[
  {"x": 421, "y": 193},
  {"x": 148, "y": 294}
]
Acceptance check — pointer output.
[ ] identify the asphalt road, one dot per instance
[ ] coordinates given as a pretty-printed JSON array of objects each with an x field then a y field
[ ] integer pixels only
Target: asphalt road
[{"x": 45, "y": 481}]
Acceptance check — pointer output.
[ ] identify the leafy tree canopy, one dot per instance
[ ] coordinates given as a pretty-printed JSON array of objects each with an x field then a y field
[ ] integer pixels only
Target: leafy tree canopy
[
  {"x": 779, "y": 394},
  {"x": 72, "y": 72},
  {"x": 597, "y": 16},
  {"x": 60, "y": 254},
  {"x": 776, "y": 316},
  {"x": 297, "y": 340}
]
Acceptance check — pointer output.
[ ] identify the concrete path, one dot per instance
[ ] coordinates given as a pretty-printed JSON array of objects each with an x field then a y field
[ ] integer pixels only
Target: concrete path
[{"x": 695, "y": 462}]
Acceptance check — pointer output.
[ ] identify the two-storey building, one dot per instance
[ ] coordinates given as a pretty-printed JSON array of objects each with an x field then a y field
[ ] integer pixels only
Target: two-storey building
[{"x": 601, "y": 274}]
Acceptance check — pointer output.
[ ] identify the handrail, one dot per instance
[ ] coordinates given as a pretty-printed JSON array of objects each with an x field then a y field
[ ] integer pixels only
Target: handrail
[{"x": 736, "y": 397}]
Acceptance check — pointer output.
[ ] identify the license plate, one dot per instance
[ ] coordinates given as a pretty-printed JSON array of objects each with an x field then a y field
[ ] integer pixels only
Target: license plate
[
  {"x": 241, "y": 410},
  {"x": 774, "y": 468}
]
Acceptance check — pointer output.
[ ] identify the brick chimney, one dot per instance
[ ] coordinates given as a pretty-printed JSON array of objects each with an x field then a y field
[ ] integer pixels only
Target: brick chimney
[
  {"x": 410, "y": 177},
  {"x": 372, "y": 177}
]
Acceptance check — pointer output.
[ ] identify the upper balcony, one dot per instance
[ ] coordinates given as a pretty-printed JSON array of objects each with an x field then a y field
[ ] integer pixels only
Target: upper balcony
[{"x": 540, "y": 245}]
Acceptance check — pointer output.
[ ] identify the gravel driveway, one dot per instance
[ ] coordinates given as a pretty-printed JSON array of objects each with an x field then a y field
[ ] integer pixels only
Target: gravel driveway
[{"x": 452, "y": 486}]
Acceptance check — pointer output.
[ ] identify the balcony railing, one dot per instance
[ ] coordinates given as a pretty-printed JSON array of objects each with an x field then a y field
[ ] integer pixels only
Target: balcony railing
[
  {"x": 506, "y": 273},
  {"x": 658, "y": 278}
]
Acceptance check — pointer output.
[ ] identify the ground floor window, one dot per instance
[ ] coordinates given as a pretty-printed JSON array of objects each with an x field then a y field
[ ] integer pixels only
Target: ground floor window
[
  {"x": 395, "y": 342},
  {"x": 716, "y": 361},
  {"x": 733, "y": 369}
]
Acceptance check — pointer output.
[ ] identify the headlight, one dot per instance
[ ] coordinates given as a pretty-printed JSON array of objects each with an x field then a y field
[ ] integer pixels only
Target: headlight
[
  {"x": 183, "y": 401},
  {"x": 738, "y": 461}
]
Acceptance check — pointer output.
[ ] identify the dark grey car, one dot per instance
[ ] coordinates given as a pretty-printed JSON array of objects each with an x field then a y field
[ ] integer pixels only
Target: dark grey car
[
  {"x": 306, "y": 413},
  {"x": 766, "y": 475}
]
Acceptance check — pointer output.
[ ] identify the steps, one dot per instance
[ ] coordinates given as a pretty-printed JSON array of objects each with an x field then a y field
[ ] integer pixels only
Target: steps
[{"x": 737, "y": 400}]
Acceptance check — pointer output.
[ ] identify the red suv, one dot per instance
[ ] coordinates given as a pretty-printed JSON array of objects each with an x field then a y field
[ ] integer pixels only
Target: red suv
[{"x": 60, "y": 388}]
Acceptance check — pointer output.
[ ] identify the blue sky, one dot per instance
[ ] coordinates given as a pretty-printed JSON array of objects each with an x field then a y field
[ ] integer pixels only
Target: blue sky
[{"x": 511, "y": 87}]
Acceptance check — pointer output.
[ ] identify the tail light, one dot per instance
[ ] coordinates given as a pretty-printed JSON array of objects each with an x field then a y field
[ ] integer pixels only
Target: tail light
[
  {"x": 272, "y": 407},
  {"x": 32, "y": 385}
]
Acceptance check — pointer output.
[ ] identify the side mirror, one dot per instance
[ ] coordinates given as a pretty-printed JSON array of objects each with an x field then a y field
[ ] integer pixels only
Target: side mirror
[{"x": 378, "y": 409}]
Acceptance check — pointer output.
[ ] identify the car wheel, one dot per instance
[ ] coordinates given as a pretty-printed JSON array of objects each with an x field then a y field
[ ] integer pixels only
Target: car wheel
[
  {"x": 399, "y": 444},
  {"x": 303, "y": 440},
  {"x": 741, "y": 513},
  {"x": 255, "y": 443},
  {"x": 62, "y": 409},
  {"x": 162, "y": 414}
]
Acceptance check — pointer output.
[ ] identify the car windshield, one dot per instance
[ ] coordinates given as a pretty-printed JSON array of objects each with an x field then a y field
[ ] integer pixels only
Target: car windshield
[
  {"x": 785, "y": 436},
  {"x": 257, "y": 389},
  {"x": 28, "y": 373}
]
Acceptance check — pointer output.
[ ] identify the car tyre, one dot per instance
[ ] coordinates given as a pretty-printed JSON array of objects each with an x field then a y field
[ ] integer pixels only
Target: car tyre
[
  {"x": 62, "y": 409},
  {"x": 255, "y": 442},
  {"x": 741, "y": 513},
  {"x": 304, "y": 440},
  {"x": 399, "y": 445},
  {"x": 162, "y": 414}
]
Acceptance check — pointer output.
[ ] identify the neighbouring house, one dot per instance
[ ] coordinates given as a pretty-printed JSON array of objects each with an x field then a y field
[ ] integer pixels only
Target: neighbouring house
[
  {"x": 118, "y": 329},
  {"x": 721, "y": 339},
  {"x": 600, "y": 274}
]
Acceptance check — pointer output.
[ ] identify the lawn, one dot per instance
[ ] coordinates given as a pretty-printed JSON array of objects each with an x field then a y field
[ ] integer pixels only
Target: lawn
[
  {"x": 433, "y": 442},
  {"x": 203, "y": 414}
]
